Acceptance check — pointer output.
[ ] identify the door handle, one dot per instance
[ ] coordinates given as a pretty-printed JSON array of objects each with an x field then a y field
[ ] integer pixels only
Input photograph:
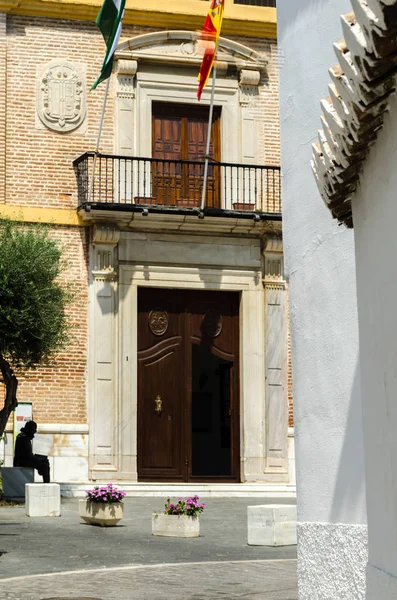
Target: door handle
[{"x": 159, "y": 404}]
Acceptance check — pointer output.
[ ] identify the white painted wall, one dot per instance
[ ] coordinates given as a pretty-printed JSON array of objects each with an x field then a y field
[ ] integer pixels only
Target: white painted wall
[
  {"x": 319, "y": 261},
  {"x": 375, "y": 222}
]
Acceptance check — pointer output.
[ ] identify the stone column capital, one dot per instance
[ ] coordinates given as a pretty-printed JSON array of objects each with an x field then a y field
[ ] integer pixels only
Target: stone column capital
[
  {"x": 273, "y": 265},
  {"x": 125, "y": 66},
  {"x": 105, "y": 233},
  {"x": 105, "y": 237}
]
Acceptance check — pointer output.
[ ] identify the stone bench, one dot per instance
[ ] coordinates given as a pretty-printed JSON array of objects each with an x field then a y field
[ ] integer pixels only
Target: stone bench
[
  {"x": 43, "y": 500},
  {"x": 272, "y": 525},
  {"x": 14, "y": 479}
]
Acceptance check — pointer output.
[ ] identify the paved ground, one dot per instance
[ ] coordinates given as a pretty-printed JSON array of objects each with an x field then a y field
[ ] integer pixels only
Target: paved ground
[{"x": 64, "y": 558}]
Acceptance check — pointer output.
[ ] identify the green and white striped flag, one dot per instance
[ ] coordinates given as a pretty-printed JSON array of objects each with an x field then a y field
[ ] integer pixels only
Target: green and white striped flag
[{"x": 109, "y": 22}]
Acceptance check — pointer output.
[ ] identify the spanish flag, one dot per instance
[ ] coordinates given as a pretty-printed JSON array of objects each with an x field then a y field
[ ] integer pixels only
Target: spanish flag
[{"x": 210, "y": 34}]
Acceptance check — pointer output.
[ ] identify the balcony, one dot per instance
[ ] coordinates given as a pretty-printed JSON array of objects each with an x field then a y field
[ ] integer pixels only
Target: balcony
[
  {"x": 151, "y": 185},
  {"x": 264, "y": 3}
]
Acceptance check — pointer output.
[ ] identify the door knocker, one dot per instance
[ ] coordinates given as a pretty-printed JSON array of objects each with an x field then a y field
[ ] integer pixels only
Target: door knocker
[{"x": 159, "y": 405}]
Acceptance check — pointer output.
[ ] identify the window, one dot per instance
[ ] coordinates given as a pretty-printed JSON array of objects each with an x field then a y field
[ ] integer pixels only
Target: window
[{"x": 180, "y": 134}]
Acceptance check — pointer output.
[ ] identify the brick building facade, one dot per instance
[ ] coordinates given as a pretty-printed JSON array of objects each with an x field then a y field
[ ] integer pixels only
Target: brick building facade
[{"x": 38, "y": 183}]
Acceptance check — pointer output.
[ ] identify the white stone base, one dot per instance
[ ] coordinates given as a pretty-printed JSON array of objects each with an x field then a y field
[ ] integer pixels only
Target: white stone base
[
  {"x": 43, "y": 500},
  {"x": 291, "y": 456},
  {"x": 175, "y": 526},
  {"x": 331, "y": 562},
  {"x": 272, "y": 525},
  {"x": 66, "y": 446},
  {"x": 380, "y": 584}
]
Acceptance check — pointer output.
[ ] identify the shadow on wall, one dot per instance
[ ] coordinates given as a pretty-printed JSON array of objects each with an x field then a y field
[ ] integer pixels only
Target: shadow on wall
[{"x": 349, "y": 490}]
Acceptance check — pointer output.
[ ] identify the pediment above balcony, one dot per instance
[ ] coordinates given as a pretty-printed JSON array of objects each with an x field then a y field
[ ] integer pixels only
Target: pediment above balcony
[{"x": 183, "y": 48}]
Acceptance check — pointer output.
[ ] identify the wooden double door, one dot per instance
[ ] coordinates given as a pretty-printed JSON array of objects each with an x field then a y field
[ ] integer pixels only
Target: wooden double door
[
  {"x": 180, "y": 135},
  {"x": 188, "y": 385}
]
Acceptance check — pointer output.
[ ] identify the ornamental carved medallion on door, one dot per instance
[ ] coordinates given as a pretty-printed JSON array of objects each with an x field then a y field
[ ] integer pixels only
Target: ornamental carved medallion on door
[{"x": 188, "y": 385}]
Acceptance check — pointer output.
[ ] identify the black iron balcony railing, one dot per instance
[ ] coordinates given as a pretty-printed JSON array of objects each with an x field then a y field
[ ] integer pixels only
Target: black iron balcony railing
[
  {"x": 270, "y": 3},
  {"x": 126, "y": 180}
]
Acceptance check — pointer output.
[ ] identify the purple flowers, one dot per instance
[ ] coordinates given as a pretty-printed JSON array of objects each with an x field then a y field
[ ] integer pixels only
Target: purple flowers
[
  {"x": 107, "y": 493},
  {"x": 190, "y": 507}
]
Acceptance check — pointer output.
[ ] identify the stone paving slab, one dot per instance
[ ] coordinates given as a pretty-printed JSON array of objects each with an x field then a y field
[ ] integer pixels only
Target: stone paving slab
[
  {"x": 55, "y": 557},
  {"x": 256, "y": 580},
  {"x": 48, "y": 544}
]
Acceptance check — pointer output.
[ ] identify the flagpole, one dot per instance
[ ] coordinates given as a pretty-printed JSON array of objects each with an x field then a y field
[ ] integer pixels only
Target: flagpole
[
  {"x": 207, "y": 151},
  {"x": 91, "y": 188}
]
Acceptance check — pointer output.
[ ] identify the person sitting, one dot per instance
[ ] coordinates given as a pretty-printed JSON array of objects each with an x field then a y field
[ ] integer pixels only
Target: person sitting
[{"x": 23, "y": 455}]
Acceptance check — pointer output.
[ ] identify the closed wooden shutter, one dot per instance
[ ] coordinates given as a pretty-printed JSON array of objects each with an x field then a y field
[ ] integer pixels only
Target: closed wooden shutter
[{"x": 180, "y": 134}]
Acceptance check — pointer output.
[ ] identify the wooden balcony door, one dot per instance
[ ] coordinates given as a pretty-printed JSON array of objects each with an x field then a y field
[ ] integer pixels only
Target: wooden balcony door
[
  {"x": 179, "y": 133},
  {"x": 188, "y": 385}
]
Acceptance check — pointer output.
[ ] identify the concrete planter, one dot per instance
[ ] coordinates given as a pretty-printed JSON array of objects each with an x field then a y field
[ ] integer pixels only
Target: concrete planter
[
  {"x": 101, "y": 513},
  {"x": 175, "y": 525}
]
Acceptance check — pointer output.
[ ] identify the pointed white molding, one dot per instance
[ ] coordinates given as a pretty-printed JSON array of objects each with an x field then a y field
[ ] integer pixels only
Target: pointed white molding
[{"x": 361, "y": 84}]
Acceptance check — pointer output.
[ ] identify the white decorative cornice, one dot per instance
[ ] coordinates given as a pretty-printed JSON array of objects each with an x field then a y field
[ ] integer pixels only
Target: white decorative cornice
[
  {"x": 359, "y": 94},
  {"x": 126, "y": 71},
  {"x": 248, "y": 84},
  {"x": 249, "y": 77},
  {"x": 272, "y": 243},
  {"x": 182, "y": 47},
  {"x": 105, "y": 233},
  {"x": 273, "y": 276},
  {"x": 126, "y": 67},
  {"x": 105, "y": 237}
]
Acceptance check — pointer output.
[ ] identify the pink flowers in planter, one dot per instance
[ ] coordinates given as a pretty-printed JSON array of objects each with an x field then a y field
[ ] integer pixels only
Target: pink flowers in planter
[
  {"x": 106, "y": 494},
  {"x": 189, "y": 507}
]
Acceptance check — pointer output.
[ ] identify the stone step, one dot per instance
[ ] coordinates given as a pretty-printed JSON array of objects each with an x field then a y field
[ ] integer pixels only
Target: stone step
[{"x": 204, "y": 490}]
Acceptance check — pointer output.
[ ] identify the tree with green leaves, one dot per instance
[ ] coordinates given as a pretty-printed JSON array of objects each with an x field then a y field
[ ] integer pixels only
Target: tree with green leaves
[{"x": 33, "y": 323}]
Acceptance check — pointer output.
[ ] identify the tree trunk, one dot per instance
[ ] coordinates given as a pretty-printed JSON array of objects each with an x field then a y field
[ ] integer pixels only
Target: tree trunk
[{"x": 10, "y": 401}]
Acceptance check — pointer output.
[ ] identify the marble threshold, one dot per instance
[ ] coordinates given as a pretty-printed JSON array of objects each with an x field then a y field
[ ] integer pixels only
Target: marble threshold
[{"x": 204, "y": 490}]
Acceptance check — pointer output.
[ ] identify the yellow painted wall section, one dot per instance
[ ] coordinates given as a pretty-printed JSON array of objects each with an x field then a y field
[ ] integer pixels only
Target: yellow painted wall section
[
  {"x": 239, "y": 19},
  {"x": 50, "y": 216}
]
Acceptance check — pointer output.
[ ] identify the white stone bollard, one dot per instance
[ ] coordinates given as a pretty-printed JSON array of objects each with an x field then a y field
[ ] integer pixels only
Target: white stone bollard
[
  {"x": 43, "y": 500},
  {"x": 272, "y": 525}
]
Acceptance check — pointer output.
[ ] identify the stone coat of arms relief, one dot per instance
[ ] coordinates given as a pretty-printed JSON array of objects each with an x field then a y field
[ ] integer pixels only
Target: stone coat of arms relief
[{"x": 61, "y": 96}]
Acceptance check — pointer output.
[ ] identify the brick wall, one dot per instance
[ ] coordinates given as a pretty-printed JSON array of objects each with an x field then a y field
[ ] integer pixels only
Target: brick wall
[
  {"x": 39, "y": 161},
  {"x": 39, "y": 172},
  {"x": 265, "y": 108},
  {"x": 3, "y": 58},
  {"x": 58, "y": 391}
]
